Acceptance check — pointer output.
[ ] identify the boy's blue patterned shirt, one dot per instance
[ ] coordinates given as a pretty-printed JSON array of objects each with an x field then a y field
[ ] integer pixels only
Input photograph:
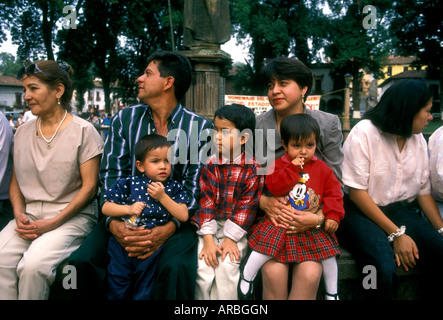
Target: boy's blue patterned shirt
[{"x": 127, "y": 191}]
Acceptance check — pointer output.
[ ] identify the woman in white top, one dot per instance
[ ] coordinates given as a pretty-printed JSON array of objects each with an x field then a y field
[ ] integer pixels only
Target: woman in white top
[
  {"x": 386, "y": 177},
  {"x": 53, "y": 184}
]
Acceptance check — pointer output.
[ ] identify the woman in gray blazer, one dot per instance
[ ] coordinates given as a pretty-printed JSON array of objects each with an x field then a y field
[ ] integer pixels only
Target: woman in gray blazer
[{"x": 289, "y": 82}]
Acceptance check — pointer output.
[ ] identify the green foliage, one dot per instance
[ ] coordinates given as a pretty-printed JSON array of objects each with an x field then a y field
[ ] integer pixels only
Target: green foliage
[
  {"x": 275, "y": 28},
  {"x": 32, "y": 24},
  {"x": 417, "y": 29},
  {"x": 302, "y": 28},
  {"x": 8, "y": 64},
  {"x": 113, "y": 38},
  {"x": 351, "y": 47}
]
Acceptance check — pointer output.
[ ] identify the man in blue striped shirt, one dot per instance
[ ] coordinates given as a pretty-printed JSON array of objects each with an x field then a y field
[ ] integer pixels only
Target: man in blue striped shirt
[{"x": 161, "y": 87}]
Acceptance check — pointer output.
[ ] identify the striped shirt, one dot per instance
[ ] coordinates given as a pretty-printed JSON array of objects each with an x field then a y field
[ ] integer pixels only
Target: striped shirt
[{"x": 184, "y": 131}]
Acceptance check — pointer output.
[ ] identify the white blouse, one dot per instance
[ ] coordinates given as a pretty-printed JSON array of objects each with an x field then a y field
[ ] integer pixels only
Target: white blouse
[{"x": 373, "y": 162}]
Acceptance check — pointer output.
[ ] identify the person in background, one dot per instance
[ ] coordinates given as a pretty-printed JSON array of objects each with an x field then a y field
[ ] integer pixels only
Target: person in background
[
  {"x": 386, "y": 175},
  {"x": 12, "y": 122},
  {"x": 28, "y": 115},
  {"x": 20, "y": 119},
  {"x": 106, "y": 122},
  {"x": 53, "y": 185}
]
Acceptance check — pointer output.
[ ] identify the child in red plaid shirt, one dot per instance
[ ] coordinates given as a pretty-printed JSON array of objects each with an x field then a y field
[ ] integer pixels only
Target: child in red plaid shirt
[
  {"x": 229, "y": 197},
  {"x": 308, "y": 183}
]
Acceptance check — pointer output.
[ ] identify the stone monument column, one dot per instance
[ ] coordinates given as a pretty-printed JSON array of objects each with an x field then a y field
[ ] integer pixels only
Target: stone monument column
[{"x": 206, "y": 27}]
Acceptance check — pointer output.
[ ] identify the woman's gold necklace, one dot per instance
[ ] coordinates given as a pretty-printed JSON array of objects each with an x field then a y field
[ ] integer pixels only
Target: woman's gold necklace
[{"x": 53, "y": 136}]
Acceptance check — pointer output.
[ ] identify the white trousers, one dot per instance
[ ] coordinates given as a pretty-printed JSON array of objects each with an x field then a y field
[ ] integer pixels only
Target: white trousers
[
  {"x": 219, "y": 283},
  {"x": 28, "y": 267}
]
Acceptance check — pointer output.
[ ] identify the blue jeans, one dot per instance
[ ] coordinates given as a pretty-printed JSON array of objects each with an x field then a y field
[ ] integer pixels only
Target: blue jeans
[
  {"x": 369, "y": 245},
  {"x": 128, "y": 277}
]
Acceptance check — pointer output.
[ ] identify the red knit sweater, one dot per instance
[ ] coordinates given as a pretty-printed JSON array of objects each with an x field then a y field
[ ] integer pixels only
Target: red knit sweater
[{"x": 321, "y": 186}]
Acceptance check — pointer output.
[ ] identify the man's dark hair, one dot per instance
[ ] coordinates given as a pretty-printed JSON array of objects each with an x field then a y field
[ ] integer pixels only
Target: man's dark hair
[
  {"x": 299, "y": 126},
  {"x": 395, "y": 111},
  {"x": 148, "y": 143},
  {"x": 173, "y": 64}
]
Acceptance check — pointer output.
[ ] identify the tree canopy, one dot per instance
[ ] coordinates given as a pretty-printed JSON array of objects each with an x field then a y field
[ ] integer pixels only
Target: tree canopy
[{"x": 111, "y": 39}]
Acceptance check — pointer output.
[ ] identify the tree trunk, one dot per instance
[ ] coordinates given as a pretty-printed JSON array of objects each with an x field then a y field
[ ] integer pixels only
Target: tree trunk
[
  {"x": 107, "y": 92},
  {"x": 47, "y": 23},
  {"x": 356, "y": 91},
  {"x": 79, "y": 97}
]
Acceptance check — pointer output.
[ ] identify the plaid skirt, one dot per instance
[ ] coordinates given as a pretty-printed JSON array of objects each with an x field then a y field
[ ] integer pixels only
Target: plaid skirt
[{"x": 311, "y": 245}]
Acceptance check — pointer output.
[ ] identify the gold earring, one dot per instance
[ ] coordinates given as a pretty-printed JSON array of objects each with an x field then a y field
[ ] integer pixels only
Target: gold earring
[{"x": 58, "y": 101}]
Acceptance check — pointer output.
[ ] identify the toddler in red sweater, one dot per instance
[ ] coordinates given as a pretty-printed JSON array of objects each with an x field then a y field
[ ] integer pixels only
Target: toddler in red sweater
[{"x": 309, "y": 184}]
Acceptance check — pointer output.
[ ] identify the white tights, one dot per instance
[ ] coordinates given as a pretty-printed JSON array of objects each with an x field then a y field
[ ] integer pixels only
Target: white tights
[{"x": 256, "y": 260}]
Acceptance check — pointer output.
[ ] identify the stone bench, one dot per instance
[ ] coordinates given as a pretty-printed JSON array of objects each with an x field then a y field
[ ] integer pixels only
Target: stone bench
[{"x": 350, "y": 286}]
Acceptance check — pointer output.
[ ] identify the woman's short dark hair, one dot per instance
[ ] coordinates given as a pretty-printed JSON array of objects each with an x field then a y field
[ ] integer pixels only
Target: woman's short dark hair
[
  {"x": 57, "y": 72},
  {"x": 284, "y": 68},
  {"x": 395, "y": 111},
  {"x": 299, "y": 126},
  {"x": 148, "y": 143},
  {"x": 175, "y": 65},
  {"x": 241, "y": 116}
]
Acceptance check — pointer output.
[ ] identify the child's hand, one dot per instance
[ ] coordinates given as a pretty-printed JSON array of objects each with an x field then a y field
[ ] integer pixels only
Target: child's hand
[
  {"x": 298, "y": 161},
  {"x": 331, "y": 225},
  {"x": 136, "y": 208},
  {"x": 156, "y": 190},
  {"x": 229, "y": 246},
  {"x": 210, "y": 251}
]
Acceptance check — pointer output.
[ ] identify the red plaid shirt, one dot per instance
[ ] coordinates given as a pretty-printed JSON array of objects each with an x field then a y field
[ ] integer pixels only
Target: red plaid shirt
[{"x": 229, "y": 190}]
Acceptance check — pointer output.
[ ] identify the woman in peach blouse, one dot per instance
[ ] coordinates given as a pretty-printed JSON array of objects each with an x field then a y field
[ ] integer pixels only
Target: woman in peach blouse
[
  {"x": 53, "y": 185},
  {"x": 386, "y": 178}
]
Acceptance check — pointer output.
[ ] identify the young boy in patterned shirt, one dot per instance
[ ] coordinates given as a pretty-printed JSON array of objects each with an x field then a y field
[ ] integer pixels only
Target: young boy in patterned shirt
[
  {"x": 229, "y": 198},
  {"x": 146, "y": 201}
]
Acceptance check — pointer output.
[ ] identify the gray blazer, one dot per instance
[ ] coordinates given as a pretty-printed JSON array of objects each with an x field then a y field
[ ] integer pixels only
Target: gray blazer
[{"x": 329, "y": 149}]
